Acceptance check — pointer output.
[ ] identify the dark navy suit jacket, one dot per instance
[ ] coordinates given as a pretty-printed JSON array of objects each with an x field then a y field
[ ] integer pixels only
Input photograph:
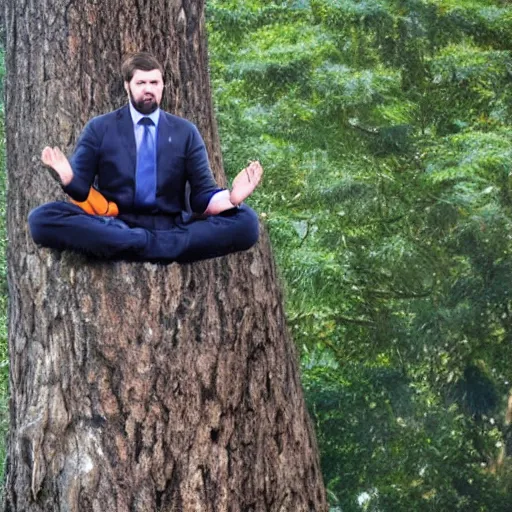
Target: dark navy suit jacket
[{"x": 106, "y": 156}]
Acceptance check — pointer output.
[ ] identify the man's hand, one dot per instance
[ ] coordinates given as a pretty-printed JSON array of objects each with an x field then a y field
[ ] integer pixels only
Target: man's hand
[
  {"x": 243, "y": 186},
  {"x": 56, "y": 159},
  {"x": 245, "y": 182}
]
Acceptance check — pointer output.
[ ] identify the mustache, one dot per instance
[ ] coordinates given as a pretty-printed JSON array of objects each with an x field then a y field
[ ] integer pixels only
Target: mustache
[{"x": 146, "y": 105}]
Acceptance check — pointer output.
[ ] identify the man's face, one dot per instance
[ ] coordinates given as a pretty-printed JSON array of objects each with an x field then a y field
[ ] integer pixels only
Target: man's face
[{"x": 145, "y": 90}]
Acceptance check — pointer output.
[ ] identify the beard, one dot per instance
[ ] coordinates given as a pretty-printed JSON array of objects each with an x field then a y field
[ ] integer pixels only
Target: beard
[{"x": 145, "y": 107}]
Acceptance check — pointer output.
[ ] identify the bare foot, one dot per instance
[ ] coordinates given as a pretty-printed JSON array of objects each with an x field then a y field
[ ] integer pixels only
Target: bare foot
[
  {"x": 56, "y": 159},
  {"x": 245, "y": 182}
]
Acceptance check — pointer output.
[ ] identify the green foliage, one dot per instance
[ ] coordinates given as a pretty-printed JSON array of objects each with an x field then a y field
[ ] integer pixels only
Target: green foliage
[
  {"x": 384, "y": 130},
  {"x": 365, "y": 417}
]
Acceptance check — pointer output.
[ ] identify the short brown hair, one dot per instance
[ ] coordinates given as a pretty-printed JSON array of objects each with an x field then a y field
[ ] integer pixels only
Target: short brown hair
[{"x": 143, "y": 60}]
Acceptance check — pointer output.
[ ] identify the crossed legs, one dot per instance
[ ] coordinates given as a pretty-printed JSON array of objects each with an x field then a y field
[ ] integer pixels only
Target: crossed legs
[
  {"x": 225, "y": 229},
  {"x": 61, "y": 225}
]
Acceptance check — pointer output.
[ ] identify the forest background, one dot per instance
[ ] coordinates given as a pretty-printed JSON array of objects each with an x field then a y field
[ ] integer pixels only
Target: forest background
[{"x": 384, "y": 130}]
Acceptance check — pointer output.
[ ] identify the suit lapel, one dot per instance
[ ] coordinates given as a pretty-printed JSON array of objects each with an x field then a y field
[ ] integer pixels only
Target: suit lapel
[
  {"x": 125, "y": 129},
  {"x": 164, "y": 139}
]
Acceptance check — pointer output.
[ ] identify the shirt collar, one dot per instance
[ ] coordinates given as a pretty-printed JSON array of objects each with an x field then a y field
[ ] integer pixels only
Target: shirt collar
[{"x": 137, "y": 116}]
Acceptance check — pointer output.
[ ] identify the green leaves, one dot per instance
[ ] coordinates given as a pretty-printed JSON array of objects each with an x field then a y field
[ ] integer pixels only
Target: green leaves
[{"x": 384, "y": 129}]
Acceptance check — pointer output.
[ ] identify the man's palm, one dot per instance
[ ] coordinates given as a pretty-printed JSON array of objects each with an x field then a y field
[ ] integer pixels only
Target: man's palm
[{"x": 56, "y": 159}]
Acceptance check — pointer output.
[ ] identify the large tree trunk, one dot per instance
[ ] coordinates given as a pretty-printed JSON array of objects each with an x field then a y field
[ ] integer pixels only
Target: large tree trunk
[{"x": 137, "y": 387}]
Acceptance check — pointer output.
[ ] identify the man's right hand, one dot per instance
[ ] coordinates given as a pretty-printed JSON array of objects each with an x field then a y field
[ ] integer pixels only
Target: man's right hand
[{"x": 56, "y": 159}]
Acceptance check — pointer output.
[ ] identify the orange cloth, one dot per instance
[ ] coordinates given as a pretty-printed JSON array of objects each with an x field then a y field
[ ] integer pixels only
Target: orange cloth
[{"x": 97, "y": 204}]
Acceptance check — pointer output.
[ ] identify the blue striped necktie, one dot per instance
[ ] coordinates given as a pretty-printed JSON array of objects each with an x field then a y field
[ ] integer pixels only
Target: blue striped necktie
[{"x": 145, "y": 181}]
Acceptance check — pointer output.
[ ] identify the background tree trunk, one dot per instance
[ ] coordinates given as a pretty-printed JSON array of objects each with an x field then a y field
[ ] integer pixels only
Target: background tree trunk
[{"x": 138, "y": 387}]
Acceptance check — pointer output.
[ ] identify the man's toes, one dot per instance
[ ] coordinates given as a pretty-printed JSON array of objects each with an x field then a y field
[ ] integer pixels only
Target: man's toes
[
  {"x": 59, "y": 155},
  {"x": 256, "y": 172}
]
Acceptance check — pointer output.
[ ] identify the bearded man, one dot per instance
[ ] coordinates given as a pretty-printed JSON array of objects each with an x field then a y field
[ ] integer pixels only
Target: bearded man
[{"x": 128, "y": 179}]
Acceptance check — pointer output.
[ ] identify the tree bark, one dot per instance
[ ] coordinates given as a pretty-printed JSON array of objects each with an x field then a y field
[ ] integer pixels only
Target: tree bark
[{"x": 137, "y": 387}]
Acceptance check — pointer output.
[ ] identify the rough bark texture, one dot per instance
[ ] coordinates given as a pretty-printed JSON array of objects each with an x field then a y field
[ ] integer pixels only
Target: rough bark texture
[{"x": 137, "y": 387}]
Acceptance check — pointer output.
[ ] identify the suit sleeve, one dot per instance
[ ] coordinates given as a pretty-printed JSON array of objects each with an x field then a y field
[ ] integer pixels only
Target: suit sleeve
[
  {"x": 84, "y": 163},
  {"x": 199, "y": 175}
]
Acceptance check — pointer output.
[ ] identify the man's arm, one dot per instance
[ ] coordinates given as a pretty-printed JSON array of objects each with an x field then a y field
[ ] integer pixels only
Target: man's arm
[
  {"x": 77, "y": 177},
  {"x": 206, "y": 197},
  {"x": 198, "y": 173},
  {"x": 243, "y": 186},
  {"x": 84, "y": 163},
  {"x": 55, "y": 158},
  {"x": 95, "y": 203}
]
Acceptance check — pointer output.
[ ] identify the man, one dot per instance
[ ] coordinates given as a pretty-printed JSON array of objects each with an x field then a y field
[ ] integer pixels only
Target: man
[{"x": 139, "y": 159}]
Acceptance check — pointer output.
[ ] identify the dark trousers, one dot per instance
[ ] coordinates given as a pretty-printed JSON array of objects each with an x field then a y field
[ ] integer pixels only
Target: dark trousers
[{"x": 62, "y": 225}]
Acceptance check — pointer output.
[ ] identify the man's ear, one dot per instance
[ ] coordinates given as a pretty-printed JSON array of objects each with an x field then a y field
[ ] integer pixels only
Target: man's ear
[{"x": 127, "y": 87}]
